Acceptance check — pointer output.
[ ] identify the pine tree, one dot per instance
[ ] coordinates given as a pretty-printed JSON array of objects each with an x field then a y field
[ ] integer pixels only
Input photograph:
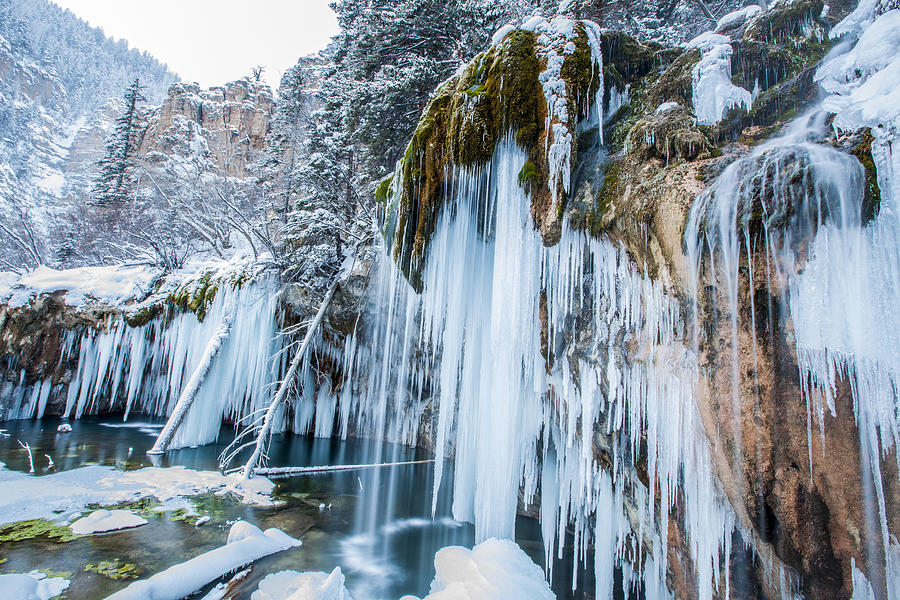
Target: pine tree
[{"x": 115, "y": 180}]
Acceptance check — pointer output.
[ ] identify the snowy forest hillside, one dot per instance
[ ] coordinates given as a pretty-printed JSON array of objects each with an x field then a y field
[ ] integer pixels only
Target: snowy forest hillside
[{"x": 60, "y": 84}]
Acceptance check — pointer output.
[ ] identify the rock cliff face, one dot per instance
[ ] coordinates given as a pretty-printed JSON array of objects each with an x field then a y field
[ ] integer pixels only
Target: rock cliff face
[{"x": 233, "y": 120}]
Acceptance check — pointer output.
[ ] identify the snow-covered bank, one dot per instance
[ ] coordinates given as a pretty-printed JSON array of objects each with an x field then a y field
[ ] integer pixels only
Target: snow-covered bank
[
  {"x": 246, "y": 543},
  {"x": 113, "y": 285},
  {"x": 27, "y": 497}
]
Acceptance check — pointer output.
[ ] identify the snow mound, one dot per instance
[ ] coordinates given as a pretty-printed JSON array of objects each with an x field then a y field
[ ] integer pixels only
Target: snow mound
[
  {"x": 28, "y": 497},
  {"x": 31, "y": 586},
  {"x": 106, "y": 520},
  {"x": 112, "y": 285},
  {"x": 492, "y": 570},
  {"x": 291, "y": 585},
  {"x": 246, "y": 544},
  {"x": 665, "y": 106}
]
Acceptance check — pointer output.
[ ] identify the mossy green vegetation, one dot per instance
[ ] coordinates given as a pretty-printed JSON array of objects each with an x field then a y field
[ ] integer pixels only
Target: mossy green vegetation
[
  {"x": 498, "y": 94},
  {"x": 143, "y": 315},
  {"x": 670, "y": 135},
  {"x": 383, "y": 189},
  {"x": 872, "y": 196},
  {"x": 114, "y": 569},
  {"x": 528, "y": 175},
  {"x": 613, "y": 188},
  {"x": 35, "y": 528}
]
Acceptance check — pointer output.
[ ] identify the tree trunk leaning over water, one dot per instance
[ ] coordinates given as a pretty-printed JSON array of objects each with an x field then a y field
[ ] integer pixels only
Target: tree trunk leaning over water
[
  {"x": 266, "y": 428},
  {"x": 186, "y": 399}
]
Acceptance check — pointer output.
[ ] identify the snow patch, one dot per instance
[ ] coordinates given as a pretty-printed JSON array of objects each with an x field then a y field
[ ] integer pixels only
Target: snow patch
[
  {"x": 106, "y": 520},
  {"x": 32, "y": 586},
  {"x": 291, "y": 585},
  {"x": 112, "y": 285},
  {"x": 738, "y": 17},
  {"x": 666, "y": 106},
  {"x": 492, "y": 570}
]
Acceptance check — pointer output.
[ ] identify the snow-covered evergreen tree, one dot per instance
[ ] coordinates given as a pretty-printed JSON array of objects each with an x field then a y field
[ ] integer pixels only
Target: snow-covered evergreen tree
[{"x": 115, "y": 179}]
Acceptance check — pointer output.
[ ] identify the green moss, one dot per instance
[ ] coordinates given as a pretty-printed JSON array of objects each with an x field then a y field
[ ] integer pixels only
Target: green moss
[
  {"x": 498, "y": 92},
  {"x": 787, "y": 19},
  {"x": 670, "y": 135},
  {"x": 872, "y": 197},
  {"x": 672, "y": 84},
  {"x": 115, "y": 569},
  {"x": 143, "y": 315},
  {"x": 382, "y": 189},
  {"x": 35, "y": 528},
  {"x": 627, "y": 60},
  {"x": 528, "y": 175}
]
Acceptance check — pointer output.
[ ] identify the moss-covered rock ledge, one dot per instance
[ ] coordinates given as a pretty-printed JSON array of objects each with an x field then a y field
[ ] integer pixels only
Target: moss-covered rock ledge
[{"x": 498, "y": 94}]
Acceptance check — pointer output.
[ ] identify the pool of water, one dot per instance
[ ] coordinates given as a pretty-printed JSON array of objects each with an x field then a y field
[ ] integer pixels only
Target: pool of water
[{"x": 375, "y": 524}]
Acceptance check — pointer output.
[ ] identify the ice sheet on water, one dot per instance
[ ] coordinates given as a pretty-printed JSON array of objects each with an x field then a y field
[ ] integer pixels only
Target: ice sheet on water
[{"x": 27, "y": 497}]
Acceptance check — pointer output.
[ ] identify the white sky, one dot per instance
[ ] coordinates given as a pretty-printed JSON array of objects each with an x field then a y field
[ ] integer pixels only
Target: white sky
[{"x": 215, "y": 41}]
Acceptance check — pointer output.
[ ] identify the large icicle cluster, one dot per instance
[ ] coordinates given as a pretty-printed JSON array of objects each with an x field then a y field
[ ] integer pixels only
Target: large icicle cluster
[
  {"x": 143, "y": 369},
  {"x": 516, "y": 416}
]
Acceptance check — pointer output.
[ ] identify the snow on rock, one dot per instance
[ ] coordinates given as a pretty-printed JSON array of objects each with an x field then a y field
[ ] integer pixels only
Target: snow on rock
[
  {"x": 666, "y": 106},
  {"x": 501, "y": 33},
  {"x": 31, "y": 586},
  {"x": 713, "y": 92},
  {"x": 106, "y": 520},
  {"x": 27, "y": 497},
  {"x": 64, "y": 428},
  {"x": 737, "y": 17},
  {"x": 863, "y": 81},
  {"x": 246, "y": 544},
  {"x": 556, "y": 41},
  {"x": 857, "y": 21},
  {"x": 492, "y": 570},
  {"x": 291, "y": 585},
  {"x": 112, "y": 285}
]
